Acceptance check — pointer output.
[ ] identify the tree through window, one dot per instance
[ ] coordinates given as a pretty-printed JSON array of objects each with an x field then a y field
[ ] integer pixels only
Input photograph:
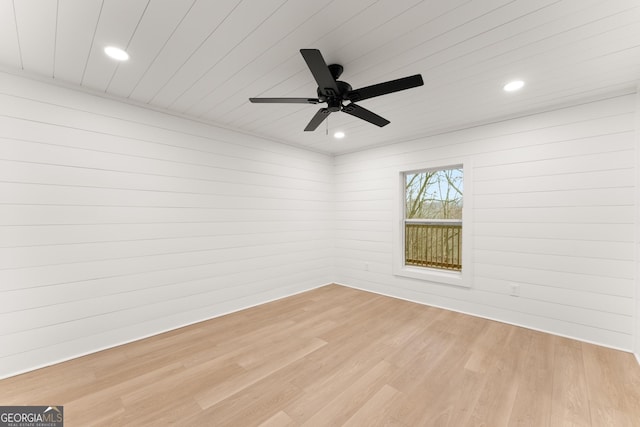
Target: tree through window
[{"x": 433, "y": 218}]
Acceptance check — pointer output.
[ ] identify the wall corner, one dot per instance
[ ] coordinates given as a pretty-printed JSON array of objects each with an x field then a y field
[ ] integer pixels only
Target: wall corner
[{"x": 636, "y": 348}]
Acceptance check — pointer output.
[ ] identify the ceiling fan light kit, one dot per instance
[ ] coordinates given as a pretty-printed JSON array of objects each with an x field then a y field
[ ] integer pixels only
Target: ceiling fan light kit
[{"x": 334, "y": 92}]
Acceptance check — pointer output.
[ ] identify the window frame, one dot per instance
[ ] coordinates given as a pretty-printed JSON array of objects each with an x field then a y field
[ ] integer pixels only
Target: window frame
[{"x": 461, "y": 278}]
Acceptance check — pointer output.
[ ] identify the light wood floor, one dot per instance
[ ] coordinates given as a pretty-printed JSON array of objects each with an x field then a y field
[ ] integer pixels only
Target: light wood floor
[{"x": 338, "y": 356}]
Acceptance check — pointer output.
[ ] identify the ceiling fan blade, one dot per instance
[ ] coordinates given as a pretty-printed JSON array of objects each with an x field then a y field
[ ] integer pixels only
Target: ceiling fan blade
[
  {"x": 364, "y": 114},
  {"x": 318, "y": 118},
  {"x": 385, "y": 88},
  {"x": 284, "y": 100},
  {"x": 320, "y": 70}
]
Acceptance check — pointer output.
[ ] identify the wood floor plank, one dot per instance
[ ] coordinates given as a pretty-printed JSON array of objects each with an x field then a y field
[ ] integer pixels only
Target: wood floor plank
[
  {"x": 570, "y": 403},
  {"x": 611, "y": 403},
  {"x": 433, "y": 393},
  {"x": 245, "y": 379},
  {"x": 376, "y": 409},
  {"x": 254, "y": 406},
  {"x": 497, "y": 397},
  {"x": 341, "y": 356},
  {"x": 345, "y": 404},
  {"x": 331, "y": 380},
  {"x": 532, "y": 405},
  {"x": 280, "y": 419}
]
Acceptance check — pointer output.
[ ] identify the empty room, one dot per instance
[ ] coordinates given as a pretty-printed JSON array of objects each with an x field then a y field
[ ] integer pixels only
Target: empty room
[{"x": 319, "y": 213}]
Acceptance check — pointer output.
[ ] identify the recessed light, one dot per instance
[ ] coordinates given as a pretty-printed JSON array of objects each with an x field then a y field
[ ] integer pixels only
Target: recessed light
[
  {"x": 116, "y": 53},
  {"x": 513, "y": 86},
  {"x": 338, "y": 135}
]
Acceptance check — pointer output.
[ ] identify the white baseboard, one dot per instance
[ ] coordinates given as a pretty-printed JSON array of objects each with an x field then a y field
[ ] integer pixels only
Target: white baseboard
[
  {"x": 55, "y": 362},
  {"x": 626, "y": 350},
  {"x": 96, "y": 350}
]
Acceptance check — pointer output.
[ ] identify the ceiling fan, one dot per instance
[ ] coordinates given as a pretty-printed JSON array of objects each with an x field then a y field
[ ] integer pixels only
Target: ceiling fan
[{"x": 334, "y": 92}]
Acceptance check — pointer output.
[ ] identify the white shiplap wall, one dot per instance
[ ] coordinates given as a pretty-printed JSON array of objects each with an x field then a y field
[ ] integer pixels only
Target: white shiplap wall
[
  {"x": 117, "y": 222},
  {"x": 553, "y": 211},
  {"x": 637, "y": 235}
]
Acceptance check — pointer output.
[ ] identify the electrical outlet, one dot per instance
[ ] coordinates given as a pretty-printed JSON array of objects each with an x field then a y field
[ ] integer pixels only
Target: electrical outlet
[
  {"x": 515, "y": 290},
  {"x": 366, "y": 266}
]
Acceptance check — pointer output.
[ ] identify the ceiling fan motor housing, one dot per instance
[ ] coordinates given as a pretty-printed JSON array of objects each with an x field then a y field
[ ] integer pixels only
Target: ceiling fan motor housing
[{"x": 334, "y": 100}]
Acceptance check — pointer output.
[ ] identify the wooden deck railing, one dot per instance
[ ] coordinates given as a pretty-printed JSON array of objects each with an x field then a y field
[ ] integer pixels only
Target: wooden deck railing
[{"x": 430, "y": 243}]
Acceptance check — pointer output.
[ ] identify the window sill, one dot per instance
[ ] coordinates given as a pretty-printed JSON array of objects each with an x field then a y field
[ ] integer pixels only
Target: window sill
[{"x": 455, "y": 278}]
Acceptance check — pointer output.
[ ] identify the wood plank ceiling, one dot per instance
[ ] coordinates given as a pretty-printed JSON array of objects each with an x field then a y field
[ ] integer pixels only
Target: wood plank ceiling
[{"x": 205, "y": 58}]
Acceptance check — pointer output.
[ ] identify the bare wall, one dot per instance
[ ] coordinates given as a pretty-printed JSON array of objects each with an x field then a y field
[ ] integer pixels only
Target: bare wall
[{"x": 117, "y": 222}]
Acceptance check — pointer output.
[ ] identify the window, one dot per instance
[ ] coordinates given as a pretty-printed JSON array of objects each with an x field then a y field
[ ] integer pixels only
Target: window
[
  {"x": 431, "y": 241},
  {"x": 433, "y": 218}
]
